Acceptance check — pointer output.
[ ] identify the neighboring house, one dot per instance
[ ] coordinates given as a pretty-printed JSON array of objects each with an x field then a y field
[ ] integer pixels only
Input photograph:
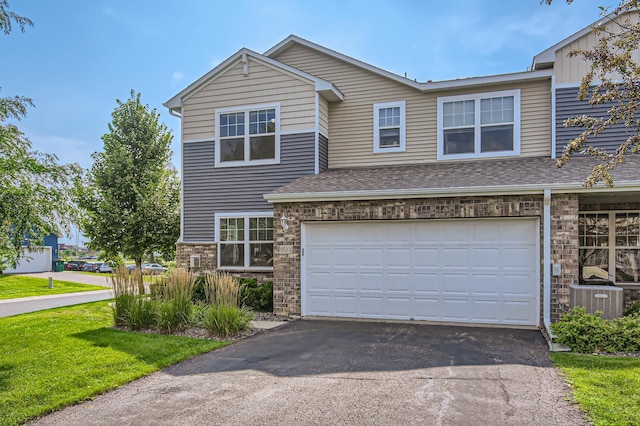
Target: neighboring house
[
  {"x": 364, "y": 194},
  {"x": 41, "y": 259}
]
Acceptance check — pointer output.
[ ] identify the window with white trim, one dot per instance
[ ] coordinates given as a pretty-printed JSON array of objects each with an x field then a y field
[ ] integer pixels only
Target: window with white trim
[
  {"x": 389, "y": 127},
  {"x": 245, "y": 241},
  {"x": 248, "y": 135},
  {"x": 479, "y": 125},
  {"x": 609, "y": 246}
]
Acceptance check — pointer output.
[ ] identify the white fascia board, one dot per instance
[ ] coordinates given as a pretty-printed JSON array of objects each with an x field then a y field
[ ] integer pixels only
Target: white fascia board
[
  {"x": 492, "y": 79},
  {"x": 445, "y": 192}
]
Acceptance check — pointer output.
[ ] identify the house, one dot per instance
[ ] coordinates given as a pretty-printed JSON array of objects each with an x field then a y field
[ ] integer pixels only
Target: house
[
  {"x": 41, "y": 259},
  {"x": 364, "y": 194}
]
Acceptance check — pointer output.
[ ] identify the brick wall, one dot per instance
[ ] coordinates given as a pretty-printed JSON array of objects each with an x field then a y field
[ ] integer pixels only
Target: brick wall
[
  {"x": 564, "y": 250},
  {"x": 287, "y": 247},
  {"x": 209, "y": 261}
]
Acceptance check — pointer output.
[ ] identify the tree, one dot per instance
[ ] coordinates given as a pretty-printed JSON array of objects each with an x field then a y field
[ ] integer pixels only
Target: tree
[
  {"x": 131, "y": 196},
  {"x": 35, "y": 196},
  {"x": 613, "y": 79}
]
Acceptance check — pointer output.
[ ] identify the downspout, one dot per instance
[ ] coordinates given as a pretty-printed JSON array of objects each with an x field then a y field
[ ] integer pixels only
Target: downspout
[
  {"x": 317, "y": 135},
  {"x": 546, "y": 263}
]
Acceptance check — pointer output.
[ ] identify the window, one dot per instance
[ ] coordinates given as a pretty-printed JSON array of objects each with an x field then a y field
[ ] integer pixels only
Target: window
[
  {"x": 248, "y": 135},
  {"x": 245, "y": 240},
  {"x": 389, "y": 127},
  {"x": 610, "y": 246},
  {"x": 480, "y": 125}
]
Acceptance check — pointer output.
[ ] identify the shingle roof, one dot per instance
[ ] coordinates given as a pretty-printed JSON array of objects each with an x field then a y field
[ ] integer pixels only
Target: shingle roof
[{"x": 470, "y": 176}]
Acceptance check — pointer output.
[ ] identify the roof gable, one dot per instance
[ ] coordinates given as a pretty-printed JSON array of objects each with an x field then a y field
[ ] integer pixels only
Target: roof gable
[
  {"x": 326, "y": 89},
  {"x": 421, "y": 86},
  {"x": 547, "y": 57}
]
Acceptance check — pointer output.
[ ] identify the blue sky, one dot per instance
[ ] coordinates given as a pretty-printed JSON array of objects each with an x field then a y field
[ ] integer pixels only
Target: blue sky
[{"x": 82, "y": 55}]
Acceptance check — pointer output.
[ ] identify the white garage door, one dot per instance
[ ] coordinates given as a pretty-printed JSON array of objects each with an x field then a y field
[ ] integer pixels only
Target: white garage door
[
  {"x": 473, "y": 271},
  {"x": 33, "y": 261}
]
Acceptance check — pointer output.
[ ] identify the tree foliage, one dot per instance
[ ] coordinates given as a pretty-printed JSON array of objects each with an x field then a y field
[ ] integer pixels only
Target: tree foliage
[
  {"x": 613, "y": 79},
  {"x": 131, "y": 195},
  {"x": 35, "y": 196}
]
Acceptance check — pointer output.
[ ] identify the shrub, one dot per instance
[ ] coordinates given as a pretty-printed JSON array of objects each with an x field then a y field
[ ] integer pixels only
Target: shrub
[
  {"x": 633, "y": 309},
  {"x": 221, "y": 289},
  {"x": 173, "y": 293},
  {"x": 590, "y": 333},
  {"x": 258, "y": 297},
  {"x": 198, "y": 290},
  {"x": 223, "y": 320},
  {"x": 129, "y": 301}
]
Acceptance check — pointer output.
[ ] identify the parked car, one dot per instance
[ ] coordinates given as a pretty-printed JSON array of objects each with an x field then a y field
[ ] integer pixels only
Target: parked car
[
  {"x": 91, "y": 267},
  {"x": 74, "y": 265},
  {"x": 131, "y": 268},
  {"x": 153, "y": 268},
  {"x": 105, "y": 268}
]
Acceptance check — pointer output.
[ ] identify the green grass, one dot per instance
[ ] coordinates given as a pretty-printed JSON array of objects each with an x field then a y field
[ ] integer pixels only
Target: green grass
[
  {"x": 606, "y": 387},
  {"x": 54, "y": 358},
  {"x": 12, "y": 286}
]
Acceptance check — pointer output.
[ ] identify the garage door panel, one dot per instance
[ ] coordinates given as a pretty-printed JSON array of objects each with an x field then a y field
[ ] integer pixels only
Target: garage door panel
[
  {"x": 454, "y": 258},
  {"x": 428, "y": 258},
  {"x": 477, "y": 270},
  {"x": 33, "y": 261},
  {"x": 372, "y": 257}
]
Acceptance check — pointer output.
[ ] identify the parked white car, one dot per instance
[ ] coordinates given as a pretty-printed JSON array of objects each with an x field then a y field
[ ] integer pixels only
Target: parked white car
[
  {"x": 105, "y": 268},
  {"x": 153, "y": 268}
]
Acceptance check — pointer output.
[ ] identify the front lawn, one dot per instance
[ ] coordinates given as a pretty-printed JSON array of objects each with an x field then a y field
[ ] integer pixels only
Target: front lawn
[
  {"x": 606, "y": 387},
  {"x": 59, "y": 357},
  {"x": 13, "y": 286}
]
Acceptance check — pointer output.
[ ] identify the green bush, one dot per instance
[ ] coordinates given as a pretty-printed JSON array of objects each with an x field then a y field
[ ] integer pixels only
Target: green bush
[
  {"x": 632, "y": 309},
  {"x": 223, "y": 320},
  {"x": 258, "y": 297},
  {"x": 199, "y": 290},
  {"x": 589, "y": 333}
]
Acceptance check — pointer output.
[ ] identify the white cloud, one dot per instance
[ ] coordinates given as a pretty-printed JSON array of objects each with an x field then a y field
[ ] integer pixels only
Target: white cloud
[{"x": 177, "y": 76}]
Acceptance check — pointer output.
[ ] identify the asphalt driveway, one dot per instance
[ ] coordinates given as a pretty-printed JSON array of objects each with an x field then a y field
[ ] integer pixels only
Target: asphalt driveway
[{"x": 357, "y": 373}]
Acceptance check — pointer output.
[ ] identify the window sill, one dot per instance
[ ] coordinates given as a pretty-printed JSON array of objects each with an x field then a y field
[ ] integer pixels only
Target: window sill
[
  {"x": 494, "y": 154},
  {"x": 242, "y": 269}
]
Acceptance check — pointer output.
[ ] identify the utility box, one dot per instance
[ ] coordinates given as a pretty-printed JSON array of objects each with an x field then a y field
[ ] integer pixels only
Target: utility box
[
  {"x": 194, "y": 261},
  {"x": 607, "y": 299}
]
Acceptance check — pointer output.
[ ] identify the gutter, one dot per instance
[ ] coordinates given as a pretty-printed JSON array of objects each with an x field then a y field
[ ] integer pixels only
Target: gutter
[{"x": 381, "y": 194}]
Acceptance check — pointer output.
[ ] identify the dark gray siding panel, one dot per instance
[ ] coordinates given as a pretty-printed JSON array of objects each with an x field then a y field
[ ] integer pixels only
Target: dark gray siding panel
[
  {"x": 209, "y": 190},
  {"x": 568, "y": 105},
  {"x": 323, "y": 152}
]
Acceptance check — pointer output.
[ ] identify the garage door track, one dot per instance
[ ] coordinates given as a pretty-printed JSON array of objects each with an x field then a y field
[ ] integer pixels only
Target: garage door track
[{"x": 339, "y": 372}]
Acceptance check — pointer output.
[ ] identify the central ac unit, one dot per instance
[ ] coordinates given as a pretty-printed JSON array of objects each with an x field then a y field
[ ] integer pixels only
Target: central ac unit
[{"x": 607, "y": 299}]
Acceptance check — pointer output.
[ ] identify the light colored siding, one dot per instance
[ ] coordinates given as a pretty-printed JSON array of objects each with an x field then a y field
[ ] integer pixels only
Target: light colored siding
[
  {"x": 572, "y": 70},
  {"x": 351, "y": 121},
  {"x": 568, "y": 105},
  {"x": 324, "y": 116},
  {"x": 208, "y": 190},
  {"x": 264, "y": 84}
]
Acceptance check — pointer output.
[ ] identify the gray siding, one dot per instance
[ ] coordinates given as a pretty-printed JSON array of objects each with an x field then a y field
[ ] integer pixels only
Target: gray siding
[
  {"x": 209, "y": 190},
  {"x": 323, "y": 153},
  {"x": 568, "y": 105}
]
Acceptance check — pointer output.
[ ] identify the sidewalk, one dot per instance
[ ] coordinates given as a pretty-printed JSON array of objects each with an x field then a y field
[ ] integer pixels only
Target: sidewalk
[{"x": 23, "y": 305}]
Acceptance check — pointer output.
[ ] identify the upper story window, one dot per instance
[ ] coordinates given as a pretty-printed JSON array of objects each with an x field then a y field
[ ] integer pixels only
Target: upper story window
[
  {"x": 479, "y": 125},
  {"x": 389, "y": 127},
  {"x": 248, "y": 135}
]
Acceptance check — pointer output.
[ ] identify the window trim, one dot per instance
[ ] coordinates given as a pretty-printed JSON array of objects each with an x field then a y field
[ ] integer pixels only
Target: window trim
[
  {"x": 246, "y": 109},
  {"x": 377, "y": 149},
  {"x": 247, "y": 254},
  {"x": 477, "y": 97},
  {"x": 611, "y": 243}
]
